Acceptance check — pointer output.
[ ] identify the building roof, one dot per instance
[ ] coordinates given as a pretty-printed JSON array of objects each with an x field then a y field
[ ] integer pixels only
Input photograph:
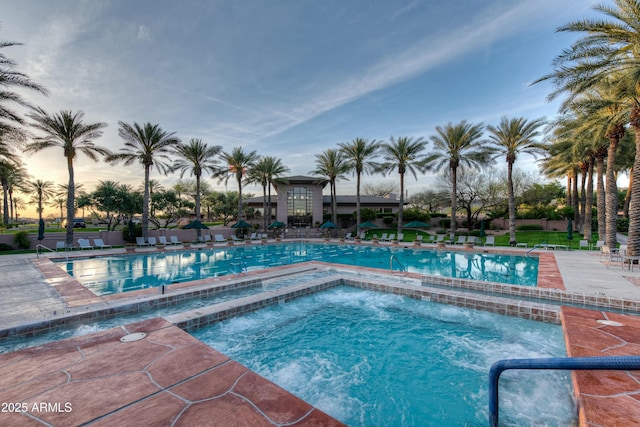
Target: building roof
[
  {"x": 301, "y": 179},
  {"x": 340, "y": 200}
]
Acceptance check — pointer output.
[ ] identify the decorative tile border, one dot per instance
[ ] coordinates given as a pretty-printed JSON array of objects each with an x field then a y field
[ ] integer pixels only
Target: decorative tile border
[{"x": 598, "y": 302}]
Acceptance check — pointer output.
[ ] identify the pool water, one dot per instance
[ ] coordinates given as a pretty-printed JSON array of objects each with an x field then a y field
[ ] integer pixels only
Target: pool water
[
  {"x": 115, "y": 274},
  {"x": 375, "y": 359}
]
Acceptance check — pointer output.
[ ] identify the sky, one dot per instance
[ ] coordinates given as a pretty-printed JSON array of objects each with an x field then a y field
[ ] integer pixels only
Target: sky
[{"x": 285, "y": 78}]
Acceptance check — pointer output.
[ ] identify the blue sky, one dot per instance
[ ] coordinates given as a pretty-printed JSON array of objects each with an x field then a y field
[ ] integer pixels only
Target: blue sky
[{"x": 285, "y": 78}]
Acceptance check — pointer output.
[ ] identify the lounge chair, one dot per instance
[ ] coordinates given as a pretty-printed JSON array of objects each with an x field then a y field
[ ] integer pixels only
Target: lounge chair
[
  {"x": 163, "y": 240},
  {"x": 152, "y": 241},
  {"x": 98, "y": 243},
  {"x": 419, "y": 238},
  {"x": 236, "y": 239},
  {"x": 584, "y": 244},
  {"x": 599, "y": 244},
  {"x": 490, "y": 241},
  {"x": 401, "y": 237},
  {"x": 461, "y": 240},
  {"x": 363, "y": 235},
  {"x": 264, "y": 236},
  {"x": 140, "y": 242},
  {"x": 218, "y": 238},
  {"x": 207, "y": 238},
  {"x": 84, "y": 244},
  {"x": 61, "y": 245},
  {"x": 389, "y": 238},
  {"x": 175, "y": 241},
  {"x": 472, "y": 240},
  {"x": 383, "y": 238},
  {"x": 439, "y": 238},
  {"x": 348, "y": 236}
]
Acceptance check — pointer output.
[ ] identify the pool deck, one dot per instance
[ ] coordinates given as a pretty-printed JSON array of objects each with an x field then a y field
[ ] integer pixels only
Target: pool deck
[{"x": 170, "y": 378}]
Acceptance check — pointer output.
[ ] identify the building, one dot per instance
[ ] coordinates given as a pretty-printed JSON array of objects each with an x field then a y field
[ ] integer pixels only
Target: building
[{"x": 300, "y": 202}]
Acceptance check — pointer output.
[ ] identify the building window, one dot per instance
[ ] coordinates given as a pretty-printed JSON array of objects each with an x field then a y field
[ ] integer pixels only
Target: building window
[{"x": 299, "y": 207}]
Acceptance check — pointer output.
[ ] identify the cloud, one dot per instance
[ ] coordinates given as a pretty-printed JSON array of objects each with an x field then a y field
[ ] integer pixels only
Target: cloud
[{"x": 144, "y": 33}]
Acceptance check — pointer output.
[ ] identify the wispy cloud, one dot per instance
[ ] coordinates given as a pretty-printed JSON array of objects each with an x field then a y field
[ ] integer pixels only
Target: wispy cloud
[{"x": 144, "y": 33}]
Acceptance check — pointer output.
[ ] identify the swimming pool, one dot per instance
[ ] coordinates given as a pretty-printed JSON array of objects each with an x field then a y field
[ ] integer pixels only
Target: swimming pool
[
  {"x": 115, "y": 274},
  {"x": 371, "y": 358}
]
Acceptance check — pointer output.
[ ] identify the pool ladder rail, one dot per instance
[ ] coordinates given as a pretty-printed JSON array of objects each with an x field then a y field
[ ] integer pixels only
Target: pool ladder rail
[
  {"x": 538, "y": 246},
  {"x": 598, "y": 363},
  {"x": 39, "y": 247},
  {"x": 401, "y": 266}
]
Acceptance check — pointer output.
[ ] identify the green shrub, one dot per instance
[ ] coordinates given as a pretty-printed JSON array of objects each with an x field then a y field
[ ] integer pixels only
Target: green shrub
[
  {"x": 445, "y": 223},
  {"x": 529, "y": 227},
  {"x": 137, "y": 232},
  {"x": 4, "y": 247},
  {"x": 22, "y": 239},
  {"x": 388, "y": 220},
  {"x": 622, "y": 225}
]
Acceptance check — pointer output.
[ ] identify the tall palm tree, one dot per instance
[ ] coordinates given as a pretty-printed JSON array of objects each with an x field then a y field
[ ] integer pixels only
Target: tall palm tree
[
  {"x": 608, "y": 51},
  {"x": 6, "y": 169},
  {"x": 239, "y": 162},
  {"x": 331, "y": 166},
  {"x": 197, "y": 157},
  {"x": 149, "y": 145},
  {"x": 66, "y": 130},
  {"x": 10, "y": 121},
  {"x": 360, "y": 154},
  {"x": 41, "y": 191},
  {"x": 458, "y": 146},
  {"x": 265, "y": 172},
  {"x": 510, "y": 138},
  {"x": 404, "y": 154}
]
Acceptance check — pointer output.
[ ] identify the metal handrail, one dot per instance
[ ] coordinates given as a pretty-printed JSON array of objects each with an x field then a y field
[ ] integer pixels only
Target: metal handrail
[
  {"x": 539, "y": 245},
  {"x": 393, "y": 256},
  {"x": 41, "y": 246},
  {"x": 611, "y": 363}
]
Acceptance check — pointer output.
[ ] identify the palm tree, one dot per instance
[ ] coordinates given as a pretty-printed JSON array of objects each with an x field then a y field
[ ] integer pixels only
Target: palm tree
[
  {"x": 9, "y": 77},
  {"x": 332, "y": 166},
  {"x": 607, "y": 53},
  {"x": 457, "y": 146},
  {"x": 41, "y": 191},
  {"x": 406, "y": 155},
  {"x": 239, "y": 163},
  {"x": 66, "y": 130},
  {"x": 360, "y": 154},
  {"x": 196, "y": 157},
  {"x": 266, "y": 172},
  {"x": 149, "y": 145},
  {"x": 510, "y": 138}
]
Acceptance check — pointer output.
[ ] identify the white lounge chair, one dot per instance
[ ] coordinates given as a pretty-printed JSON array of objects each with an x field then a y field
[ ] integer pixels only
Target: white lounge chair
[
  {"x": 207, "y": 238},
  {"x": 163, "y": 240},
  {"x": 61, "y": 245},
  {"x": 98, "y": 243},
  {"x": 152, "y": 241},
  {"x": 254, "y": 236},
  {"x": 401, "y": 237},
  {"x": 461, "y": 240},
  {"x": 439, "y": 238},
  {"x": 491, "y": 241},
  {"x": 84, "y": 244},
  {"x": 348, "y": 237},
  {"x": 218, "y": 238},
  {"x": 236, "y": 239},
  {"x": 384, "y": 238},
  {"x": 175, "y": 241},
  {"x": 140, "y": 242},
  {"x": 584, "y": 244},
  {"x": 419, "y": 238}
]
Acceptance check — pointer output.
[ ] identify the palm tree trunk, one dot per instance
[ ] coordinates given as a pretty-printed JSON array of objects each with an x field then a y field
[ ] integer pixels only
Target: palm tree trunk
[
  {"x": 612, "y": 193},
  {"x": 358, "y": 218},
  {"x": 600, "y": 202},
  {"x": 264, "y": 207},
  {"x": 70, "y": 204},
  {"x": 588, "y": 206},
  {"x": 145, "y": 204},
  {"x": 574, "y": 197},
  {"x": 627, "y": 198},
  {"x": 569, "y": 202},
  {"x": 5, "y": 202},
  {"x": 512, "y": 204},
  {"x": 269, "y": 200},
  {"x": 11, "y": 206},
  {"x": 633, "y": 240},
  {"x": 334, "y": 204},
  {"x": 239, "y": 179},
  {"x": 401, "y": 203},
  {"x": 39, "y": 205},
  {"x": 454, "y": 207},
  {"x": 583, "y": 197},
  {"x": 198, "y": 216}
]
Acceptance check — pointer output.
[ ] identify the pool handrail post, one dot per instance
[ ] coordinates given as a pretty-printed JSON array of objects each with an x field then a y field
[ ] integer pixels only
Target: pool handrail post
[{"x": 599, "y": 363}]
